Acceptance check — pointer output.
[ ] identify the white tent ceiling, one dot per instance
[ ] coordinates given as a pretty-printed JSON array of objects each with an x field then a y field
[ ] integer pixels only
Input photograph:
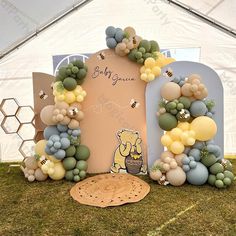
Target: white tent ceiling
[
  {"x": 220, "y": 10},
  {"x": 83, "y": 31},
  {"x": 19, "y": 19}
]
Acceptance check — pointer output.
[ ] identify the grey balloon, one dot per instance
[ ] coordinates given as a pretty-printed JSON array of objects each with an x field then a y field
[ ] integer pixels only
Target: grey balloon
[{"x": 198, "y": 175}]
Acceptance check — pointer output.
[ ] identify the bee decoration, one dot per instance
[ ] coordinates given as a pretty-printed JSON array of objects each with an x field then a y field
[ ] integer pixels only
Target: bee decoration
[
  {"x": 73, "y": 111},
  {"x": 168, "y": 73},
  {"x": 163, "y": 180},
  {"x": 134, "y": 103},
  {"x": 52, "y": 85},
  {"x": 43, "y": 160},
  {"x": 101, "y": 56},
  {"x": 43, "y": 95}
]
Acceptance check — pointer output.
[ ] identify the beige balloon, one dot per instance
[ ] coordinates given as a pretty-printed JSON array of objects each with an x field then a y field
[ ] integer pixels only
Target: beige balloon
[
  {"x": 170, "y": 91},
  {"x": 39, "y": 175},
  {"x": 176, "y": 177},
  {"x": 46, "y": 115},
  {"x": 179, "y": 158}
]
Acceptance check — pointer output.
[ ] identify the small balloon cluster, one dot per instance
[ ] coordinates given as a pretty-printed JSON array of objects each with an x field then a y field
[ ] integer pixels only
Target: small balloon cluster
[
  {"x": 60, "y": 154},
  {"x": 142, "y": 51},
  {"x": 187, "y": 117}
]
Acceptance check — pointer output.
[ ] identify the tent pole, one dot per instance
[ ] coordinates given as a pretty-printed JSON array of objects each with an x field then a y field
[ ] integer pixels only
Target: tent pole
[
  {"x": 21, "y": 43},
  {"x": 205, "y": 18}
]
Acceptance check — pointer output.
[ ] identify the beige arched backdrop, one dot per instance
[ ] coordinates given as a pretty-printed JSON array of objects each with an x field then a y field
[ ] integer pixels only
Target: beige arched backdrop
[{"x": 111, "y": 83}]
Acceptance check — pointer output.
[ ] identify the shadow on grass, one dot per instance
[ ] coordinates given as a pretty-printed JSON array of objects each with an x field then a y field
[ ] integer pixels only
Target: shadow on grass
[{"x": 47, "y": 209}]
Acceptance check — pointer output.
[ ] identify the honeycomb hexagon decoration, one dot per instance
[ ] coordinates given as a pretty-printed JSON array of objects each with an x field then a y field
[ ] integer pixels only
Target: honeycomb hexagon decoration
[
  {"x": 9, "y": 106},
  {"x": 25, "y": 114},
  {"x": 27, "y": 148},
  {"x": 26, "y": 131},
  {"x": 10, "y": 124},
  {"x": 20, "y": 120}
]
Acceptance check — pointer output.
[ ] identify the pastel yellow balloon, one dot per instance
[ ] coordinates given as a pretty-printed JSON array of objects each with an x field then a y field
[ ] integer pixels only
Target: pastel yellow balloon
[
  {"x": 176, "y": 133},
  {"x": 190, "y": 141},
  {"x": 156, "y": 70},
  {"x": 168, "y": 60},
  {"x": 84, "y": 93},
  {"x": 160, "y": 62},
  {"x": 149, "y": 62},
  {"x": 80, "y": 98},
  {"x": 191, "y": 133},
  {"x": 177, "y": 147},
  {"x": 151, "y": 77},
  {"x": 52, "y": 158},
  {"x": 184, "y": 126},
  {"x": 183, "y": 137},
  {"x": 59, "y": 172},
  {"x": 70, "y": 97},
  {"x": 144, "y": 76},
  {"x": 166, "y": 140},
  {"x": 142, "y": 69},
  {"x": 204, "y": 127},
  {"x": 39, "y": 148},
  {"x": 61, "y": 97},
  {"x": 159, "y": 55},
  {"x": 147, "y": 71}
]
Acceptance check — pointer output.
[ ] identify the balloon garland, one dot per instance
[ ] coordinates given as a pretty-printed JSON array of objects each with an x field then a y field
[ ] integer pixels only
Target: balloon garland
[
  {"x": 185, "y": 115},
  {"x": 60, "y": 154},
  {"x": 187, "y": 118},
  {"x": 144, "y": 52}
]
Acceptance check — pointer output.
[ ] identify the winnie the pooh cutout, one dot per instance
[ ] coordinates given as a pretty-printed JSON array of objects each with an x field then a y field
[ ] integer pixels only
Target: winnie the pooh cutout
[{"x": 128, "y": 155}]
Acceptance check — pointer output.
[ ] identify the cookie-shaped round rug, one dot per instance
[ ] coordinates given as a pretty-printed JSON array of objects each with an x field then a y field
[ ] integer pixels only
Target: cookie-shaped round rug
[{"x": 110, "y": 190}]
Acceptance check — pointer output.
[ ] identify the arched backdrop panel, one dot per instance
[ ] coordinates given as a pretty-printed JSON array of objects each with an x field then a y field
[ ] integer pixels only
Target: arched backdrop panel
[{"x": 181, "y": 68}]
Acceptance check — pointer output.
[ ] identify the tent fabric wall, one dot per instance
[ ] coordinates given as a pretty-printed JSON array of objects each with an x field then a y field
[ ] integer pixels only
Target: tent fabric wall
[{"x": 83, "y": 31}]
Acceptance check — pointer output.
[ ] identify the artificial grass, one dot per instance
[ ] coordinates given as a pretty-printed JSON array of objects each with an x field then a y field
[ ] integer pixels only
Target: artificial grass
[{"x": 47, "y": 209}]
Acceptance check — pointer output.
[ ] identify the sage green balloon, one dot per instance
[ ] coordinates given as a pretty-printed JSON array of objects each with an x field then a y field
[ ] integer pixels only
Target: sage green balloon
[
  {"x": 69, "y": 163},
  {"x": 219, "y": 183},
  {"x": 76, "y": 171},
  {"x": 69, "y": 83},
  {"x": 170, "y": 106},
  {"x": 75, "y": 69},
  {"x": 131, "y": 55},
  {"x": 154, "y": 46},
  {"x": 82, "y": 174},
  {"x": 220, "y": 176},
  {"x": 62, "y": 72},
  {"x": 209, "y": 160},
  {"x": 167, "y": 121},
  {"x": 216, "y": 168},
  {"x": 229, "y": 174},
  {"x": 227, "y": 181},
  {"x": 145, "y": 44},
  {"x": 212, "y": 179},
  {"x": 69, "y": 175},
  {"x": 82, "y": 165},
  {"x": 76, "y": 178},
  {"x": 79, "y": 64},
  {"x": 185, "y": 101},
  {"x": 81, "y": 74},
  {"x": 70, "y": 151},
  {"x": 82, "y": 153}
]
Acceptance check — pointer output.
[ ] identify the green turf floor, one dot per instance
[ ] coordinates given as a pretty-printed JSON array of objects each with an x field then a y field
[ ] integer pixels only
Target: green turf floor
[{"x": 47, "y": 209}]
